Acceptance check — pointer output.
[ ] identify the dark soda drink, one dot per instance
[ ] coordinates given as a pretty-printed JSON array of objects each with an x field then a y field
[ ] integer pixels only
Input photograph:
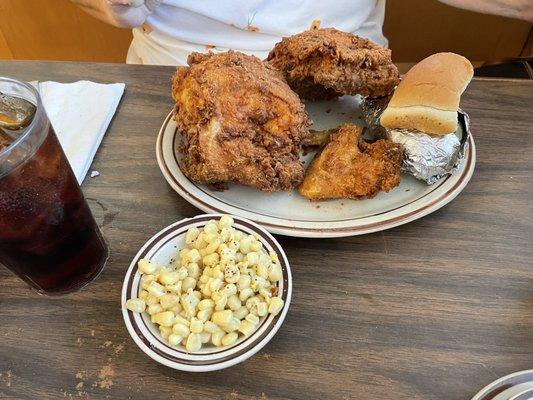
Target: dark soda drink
[{"x": 48, "y": 236}]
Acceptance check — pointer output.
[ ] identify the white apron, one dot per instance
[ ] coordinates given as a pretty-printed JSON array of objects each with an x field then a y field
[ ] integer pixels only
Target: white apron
[{"x": 178, "y": 27}]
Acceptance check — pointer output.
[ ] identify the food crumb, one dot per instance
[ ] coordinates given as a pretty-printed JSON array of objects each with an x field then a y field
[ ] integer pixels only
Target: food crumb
[
  {"x": 107, "y": 343},
  {"x": 106, "y": 373},
  {"x": 209, "y": 47},
  {"x": 119, "y": 348},
  {"x": 94, "y": 174},
  {"x": 267, "y": 356},
  {"x": 92, "y": 332},
  {"x": 79, "y": 341},
  {"x": 81, "y": 375},
  {"x": 79, "y": 386},
  {"x": 317, "y": 206},
  {"x": 328, "y": 110},
  {"x": 233, "y": 395},
  {"x": 8, "y": 380}
]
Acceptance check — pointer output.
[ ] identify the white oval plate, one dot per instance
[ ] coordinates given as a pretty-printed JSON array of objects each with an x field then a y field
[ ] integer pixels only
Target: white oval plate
[
  {"x": 161, "y": 248},
  {"x": 288, "y": 213}
]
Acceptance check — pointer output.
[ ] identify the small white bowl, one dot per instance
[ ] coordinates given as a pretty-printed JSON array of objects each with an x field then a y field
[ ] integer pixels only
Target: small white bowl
[{"x": 161, "y": 248}]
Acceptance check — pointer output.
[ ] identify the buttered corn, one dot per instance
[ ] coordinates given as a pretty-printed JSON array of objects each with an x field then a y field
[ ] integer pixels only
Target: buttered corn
[{"x": 218, "y": 287}]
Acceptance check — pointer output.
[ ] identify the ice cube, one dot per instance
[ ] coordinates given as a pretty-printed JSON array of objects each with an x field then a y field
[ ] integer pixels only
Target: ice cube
[{"x": 15, "y": 112}]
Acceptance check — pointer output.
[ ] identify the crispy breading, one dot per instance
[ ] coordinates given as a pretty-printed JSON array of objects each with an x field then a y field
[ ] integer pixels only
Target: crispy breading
[
  {"x": 349, "y": 167},
  {"x": 326, "y": 63},
  {"x": 240, "y": 122}
]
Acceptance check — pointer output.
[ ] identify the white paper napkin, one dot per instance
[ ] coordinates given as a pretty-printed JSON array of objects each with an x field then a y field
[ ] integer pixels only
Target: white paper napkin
[{"x": 80, "y": 113}]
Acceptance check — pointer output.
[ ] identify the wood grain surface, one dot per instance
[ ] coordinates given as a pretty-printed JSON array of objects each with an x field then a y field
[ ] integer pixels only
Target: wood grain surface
[{"x": 435, "y": 309}]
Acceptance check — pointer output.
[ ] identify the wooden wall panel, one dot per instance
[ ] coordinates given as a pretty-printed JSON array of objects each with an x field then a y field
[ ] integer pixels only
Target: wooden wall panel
[
  {"x": 418, "y": 28},
  {"x": 58, "y": 30},
  {"x": 5, "y": 51}
]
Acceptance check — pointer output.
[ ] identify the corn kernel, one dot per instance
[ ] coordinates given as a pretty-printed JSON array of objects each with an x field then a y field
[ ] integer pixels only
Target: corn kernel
[
  {"x": 234, "y": 303},
  {"x": 156, "y": 289},
  {"x": 147, "y": 266},
  {"x": 174, "y": 339},
  {"x": 246, "y": 293},
  {"x": 196, "y": 325},
  {"x": 206, "y": 304},
  {"x": 229, "y": 339},
  {"x": 276, "y": 305},
  {"x": 194, "y": 342},
  {"x": 147, "y": 280},
  {"x": 222, "y": 317},
  {"x": 230, "y": 289},
  {"x": 154, "y": 309},
  {"x": 143, "y": 294},
  {"x": 211, "y": 259},
  {"x": 252, "y": 258},
  {"x": 225, "y": 221},
  {"x": 168, "y": 277},
  {"x": 165, "y": 318},
  {"x": 211, "y": 227},
  {"x": 253, "y": 319},
  {"x": 211, "y": 327},
  {"x": 275, "y": 273},
  {"x": 181, "y": 329},
  {"x": 246, "y": 328},
  {"x": 206, "y": 337},
  {"x": 176, "y": 288},
  {"x": 262, "y": 309},
  {"x": 165, "y": 332},
  {"x": 220, "y": 304},
  {"x": 216, "y": 337},
  {"x": 169, "y": 300},
  {"x": 193, "y": 270},
  {"x": 241, "y": 313},
  {"x": 204, "y": 315},
  {"x": 178, "y": 319},
  {"x": 188, "y": 283},
  {"x": 243, "y": 282},
  {"x": 151, "y": 299},
  {"x": 231, "y": 273},
  {"x": 232, "y": 325},
  {"x": 136, "y": 305},
  {"x": 191, "y": 235}
]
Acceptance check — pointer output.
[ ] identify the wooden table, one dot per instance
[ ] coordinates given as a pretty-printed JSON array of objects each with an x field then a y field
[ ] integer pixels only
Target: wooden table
[{"x": 435, "y": 309}]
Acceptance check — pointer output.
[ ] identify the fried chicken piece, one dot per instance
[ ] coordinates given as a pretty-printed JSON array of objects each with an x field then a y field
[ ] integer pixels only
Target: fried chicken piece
[
  {"x": 240, "y": 122},
  {"x": 349, "y": 167},
  {"x": 326, "y": 63}
]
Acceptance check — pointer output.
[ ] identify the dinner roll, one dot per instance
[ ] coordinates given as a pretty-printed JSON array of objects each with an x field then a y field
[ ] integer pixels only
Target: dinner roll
[{"x": 428, "y": 96}]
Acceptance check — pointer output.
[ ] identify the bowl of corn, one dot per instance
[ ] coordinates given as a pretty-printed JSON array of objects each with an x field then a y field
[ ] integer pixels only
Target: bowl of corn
[{"x": 206, "y": 293}]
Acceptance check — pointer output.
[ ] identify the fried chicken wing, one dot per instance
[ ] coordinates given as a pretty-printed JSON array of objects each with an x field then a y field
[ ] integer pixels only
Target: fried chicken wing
[
  {"x": 240, "y": 122},
  {"x": 326, "y": 63},
  {"x": 349, "y": 167}
]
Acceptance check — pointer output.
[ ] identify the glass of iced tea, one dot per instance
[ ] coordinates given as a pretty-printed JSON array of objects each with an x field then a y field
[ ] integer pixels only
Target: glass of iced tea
[{"x": 48, "y": 236}]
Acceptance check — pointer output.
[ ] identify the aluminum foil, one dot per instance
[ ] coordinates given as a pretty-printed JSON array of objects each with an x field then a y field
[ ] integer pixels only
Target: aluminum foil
[{"x": 426, "y": 157}]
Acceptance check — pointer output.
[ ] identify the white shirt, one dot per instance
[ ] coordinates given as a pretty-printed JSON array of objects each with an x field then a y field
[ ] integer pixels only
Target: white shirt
[{"x": 175, "y": 28}]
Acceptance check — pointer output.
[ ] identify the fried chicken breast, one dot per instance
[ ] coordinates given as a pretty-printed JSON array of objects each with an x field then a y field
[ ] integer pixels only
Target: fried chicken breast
[
  {"x": 349, "y": 167},
  {"x": 326, "y": 63},
  {"x": 240, "y": 122}
]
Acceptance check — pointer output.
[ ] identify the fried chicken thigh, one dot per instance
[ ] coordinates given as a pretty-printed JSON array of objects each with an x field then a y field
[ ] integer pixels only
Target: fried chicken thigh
[
  {"x": 349, "y": 167},
  {"x": 326, "y": 63},
  {"x": 240, "y": 122}
]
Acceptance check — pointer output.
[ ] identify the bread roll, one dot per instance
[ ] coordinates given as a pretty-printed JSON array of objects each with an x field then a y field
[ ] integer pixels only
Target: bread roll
[{"x": 428, "y": 96}]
